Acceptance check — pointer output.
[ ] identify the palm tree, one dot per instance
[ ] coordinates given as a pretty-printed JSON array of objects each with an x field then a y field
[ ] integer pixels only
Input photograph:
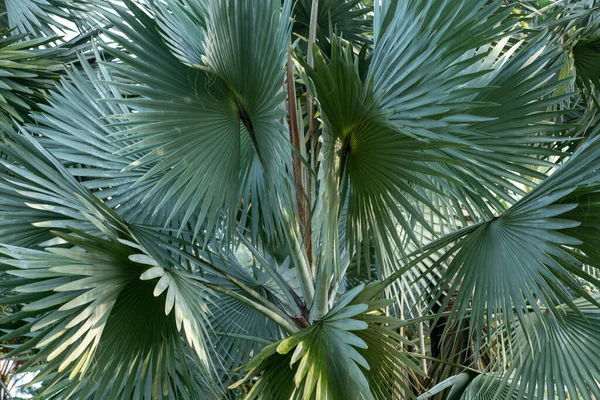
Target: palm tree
[{"x": 334, "y": 199}]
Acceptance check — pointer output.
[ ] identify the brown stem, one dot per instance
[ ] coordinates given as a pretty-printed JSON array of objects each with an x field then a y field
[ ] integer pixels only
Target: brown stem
[
  {"x": 302, "y": 197},
  {"x": 302, "y": 320}
]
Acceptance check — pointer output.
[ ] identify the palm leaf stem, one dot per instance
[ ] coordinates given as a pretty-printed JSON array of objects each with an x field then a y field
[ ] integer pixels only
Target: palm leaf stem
[{"x": 272, "y": 312}]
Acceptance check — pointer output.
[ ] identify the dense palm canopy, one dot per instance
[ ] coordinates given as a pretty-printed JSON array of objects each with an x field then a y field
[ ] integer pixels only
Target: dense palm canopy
[{"x": 333, "y": 199}]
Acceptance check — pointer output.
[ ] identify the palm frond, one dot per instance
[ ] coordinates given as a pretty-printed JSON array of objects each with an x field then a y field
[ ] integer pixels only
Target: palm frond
[
  {"x": 358, "y": 142},
  {"x": 481, "y": 92},
  {"x": 95, "y": 292},
  {"x": 76, "y": 128},
  {"x": 330, "y": 359},
  {"x": 36, "y": 179},
  {"x": 27, "y": 71},
  {"x": 39, "y": 17},
  {"x": 97, "y": 326},
  {"x": 464, "y": 135},
  {"x": 231, "y": 109},
  {"x": 561, "y": 361},
  {"x": 524, "y": 259}
]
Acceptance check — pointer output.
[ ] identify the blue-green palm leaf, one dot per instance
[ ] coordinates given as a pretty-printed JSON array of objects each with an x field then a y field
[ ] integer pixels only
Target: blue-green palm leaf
[
  {"x": 423, "y": 142},
  {"x": 76, "y": 128},
  {"x": 351, "y": 353},
  {"x": 527, "y": 257},
  {"x": 89, "y": 293},
  {"x": 27, "y": 71},
  {"x": 89, "y": 313},
  {"x": 34, "y": 180},
  {"x": 557, "y": 354},
  {"x": 39, "y": 17},
  {"x": 204, "y": 129}
]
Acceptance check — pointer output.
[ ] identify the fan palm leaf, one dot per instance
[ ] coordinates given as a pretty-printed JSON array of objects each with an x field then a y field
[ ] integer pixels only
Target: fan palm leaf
[
  {"x": 174, "y": 227},
  {"x": 44, "y": 17},
  {"x": 241, "y": 117},
  {"x": 332, "y": 358}
]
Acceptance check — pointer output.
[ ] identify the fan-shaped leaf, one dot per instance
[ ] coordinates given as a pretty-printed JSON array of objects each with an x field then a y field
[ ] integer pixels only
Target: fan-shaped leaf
[
  {"x": 203, "y": 130},
  {"x": 97, "y": 319},
  {"x": 562, "y": 361},
  {"x": 522, "y": 260},
  {"x": 338, "y": 356}
]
